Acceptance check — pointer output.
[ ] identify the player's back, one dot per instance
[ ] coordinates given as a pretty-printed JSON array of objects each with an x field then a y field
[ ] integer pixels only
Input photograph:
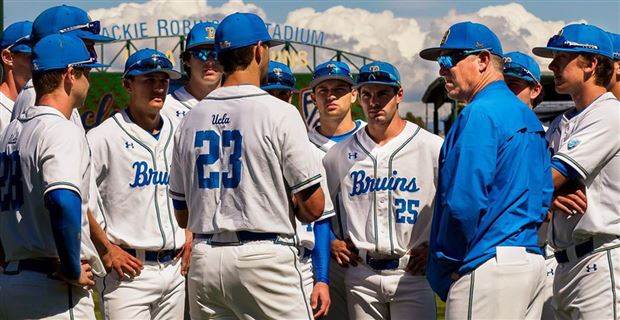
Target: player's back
[{"x": 247, "y": 152}]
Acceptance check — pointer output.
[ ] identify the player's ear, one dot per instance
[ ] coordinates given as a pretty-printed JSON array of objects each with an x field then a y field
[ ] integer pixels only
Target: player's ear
[
  {"x": 484, "y": 61},
  {"x": 313, "y": 97},
  {"x": 535, "y": 91},
  {"x": 127, "y": 84},
  {"x": 7, "y": 57},
  {"x": 353, "y": 95},
  {"x": 400, "y": 95}
]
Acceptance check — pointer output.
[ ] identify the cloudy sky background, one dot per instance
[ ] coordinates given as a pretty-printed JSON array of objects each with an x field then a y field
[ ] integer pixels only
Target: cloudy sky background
[{"x": 394, "y": 31}]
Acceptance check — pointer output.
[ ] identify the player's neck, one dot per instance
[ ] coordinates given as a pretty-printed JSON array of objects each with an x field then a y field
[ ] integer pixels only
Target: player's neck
[
  {"x": 58, "y": 100},
  {"x": 338, "y": 127},
  {"x": 151, "y": 122},
  {"x": 586, "y": 95},
  {"x": 200, "y": 90},
  {"x": 382, "y": 134},
  {"x": 487, "y": 78},
  {"x": 8, "y": 87},
  {"x": 249, "y": 76}
]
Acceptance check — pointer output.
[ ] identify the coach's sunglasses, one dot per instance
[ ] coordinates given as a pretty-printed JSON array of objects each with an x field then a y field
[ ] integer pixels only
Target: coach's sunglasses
[
  {"x": 450, "y": 60},
  {"x": 519, "y": 71},
  {"x": 378, "y": 76},
  {"x": 154, "y": 62},
  {"x": 203, "y": 54},
  {"x": 561, "y": 42},
  {"x": 92, "y": 26},
  {"x": 330, "y": 70},
  {"x": 280, "y": 78}
]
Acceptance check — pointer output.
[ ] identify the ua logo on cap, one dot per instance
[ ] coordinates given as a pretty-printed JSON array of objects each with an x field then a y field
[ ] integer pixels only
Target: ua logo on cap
[
  {"x": 479, "y": 44},
  {"x": 374, "y": 68},
  {"x": 445, "y": 37},
  {"x": 210, "y": 32},
  {"x": 224, "y": 44}
]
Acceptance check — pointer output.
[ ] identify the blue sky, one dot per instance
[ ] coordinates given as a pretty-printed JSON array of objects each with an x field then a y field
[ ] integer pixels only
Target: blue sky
[{"x": 604, "y": 13}]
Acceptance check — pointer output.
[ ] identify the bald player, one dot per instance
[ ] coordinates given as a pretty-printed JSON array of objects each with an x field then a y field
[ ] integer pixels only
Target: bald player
[
  {"x": 614, "y": 84},
  {"x": 16, "y": 66},
  {"x": 201, "y": 66},
  {"x": 383, "y": 180},
  {"x": 237, "y": 159},
  {"x": 45, "y": 187},
  {"x": 313, "y": 238},
  {"x": 585, "y": 227}
]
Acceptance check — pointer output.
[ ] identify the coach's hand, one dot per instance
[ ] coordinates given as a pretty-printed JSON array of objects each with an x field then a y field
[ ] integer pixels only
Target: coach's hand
[
  {"x": 571, "y": 199},
  {"x": 121, "y": 261},
  {"x": 345, "y": 253},
  {"x": 186, "y": 253},
  {"x": 85, "y": 279},
  {"x": 320, "y": 300},
  {"x": 417, "y": 261}
]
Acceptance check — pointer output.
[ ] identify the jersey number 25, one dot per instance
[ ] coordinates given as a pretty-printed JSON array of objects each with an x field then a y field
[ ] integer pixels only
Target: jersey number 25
[{"x": 208, "y": 178}]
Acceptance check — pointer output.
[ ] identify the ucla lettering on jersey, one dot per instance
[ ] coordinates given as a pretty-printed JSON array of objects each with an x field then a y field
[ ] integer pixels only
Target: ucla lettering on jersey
[
  {"x": 364, "y": 184},
  {"x": 145, "y": 176}
]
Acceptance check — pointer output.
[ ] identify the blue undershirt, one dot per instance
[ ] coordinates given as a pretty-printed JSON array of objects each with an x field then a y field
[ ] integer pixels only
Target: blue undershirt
[{"x": 65, "y": 207}]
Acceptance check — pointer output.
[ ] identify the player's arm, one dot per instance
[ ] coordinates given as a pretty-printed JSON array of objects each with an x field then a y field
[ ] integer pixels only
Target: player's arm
[
  {"x": 320, "y": 299},
  {"x": 309, "y": 203},
  {"x": 65, "y": 210},
  {"x": 113, "y": 256},
  {"x": 569, "y": 196}
]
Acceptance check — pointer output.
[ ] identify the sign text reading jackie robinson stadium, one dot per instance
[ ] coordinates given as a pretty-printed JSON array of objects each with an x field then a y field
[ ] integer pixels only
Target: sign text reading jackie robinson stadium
[{"x": 166, "y": 28}]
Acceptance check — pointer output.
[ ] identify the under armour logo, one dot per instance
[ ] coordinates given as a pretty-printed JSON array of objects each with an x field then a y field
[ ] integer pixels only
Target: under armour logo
[
  {"x": 353, "y": 155},
  {"x": 224, "y": 44},
  {"x": 180, "y": 114},
  {"x": 128, "y": 145},
  {"x": 591, "y": 268},
  {"x": 550, "y": 272},
  {"x": 479, "y": 45}
]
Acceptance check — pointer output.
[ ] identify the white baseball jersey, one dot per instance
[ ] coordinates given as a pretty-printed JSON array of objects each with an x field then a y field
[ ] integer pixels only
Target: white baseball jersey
[
  {"x": 178, "y": 104},
  {"x": 589, "y": 143},
  {"x": 41, "y": 152},
  {"x": 131, "y": 169},
  {"x": 237, "y": 158},
  {"x": 385, "y": 194},
  {"x": 26, "y": 99},
  {"x": 6, "y": 107}
]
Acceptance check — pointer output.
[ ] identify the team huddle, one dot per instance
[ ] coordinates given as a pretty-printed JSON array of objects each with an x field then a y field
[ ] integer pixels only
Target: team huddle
[{"x": 215, "y": 202}]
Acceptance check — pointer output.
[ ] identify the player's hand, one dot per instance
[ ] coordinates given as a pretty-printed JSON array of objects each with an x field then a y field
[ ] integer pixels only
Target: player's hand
[
  {"x": 417, "y": 261},
  {"x": 85, "y": 279},
  {"x": 345, "y": 253},
  {"x": 122, "y": 262},
  {"x": 320, "y": 300},
  {"x": 571, "y": 199},
  {"x": 185, "y": 253}
]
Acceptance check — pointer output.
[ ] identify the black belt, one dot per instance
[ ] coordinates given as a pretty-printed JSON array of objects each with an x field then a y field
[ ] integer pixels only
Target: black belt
[
  {"x": 383, "y": 264},
  {"x": 242, "y": 236},
  {"x": 581, "y": 250},
  {"x": 46, "y": 266},
  {"x": 156, "y": 256}
]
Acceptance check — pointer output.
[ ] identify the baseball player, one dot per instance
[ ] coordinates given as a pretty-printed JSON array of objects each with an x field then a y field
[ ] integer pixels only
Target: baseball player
[
  {"x": 615, "y": 77},
  {"x": 16, "y": 66},
  {"x": 45, "y": 188},
  {"x": 522, "y": 76},
  {"x": 585, "y": 226},
  {"x": 280, "y": 81},
  {"x": 385, "y": 203},
  {"x": 494, "y": 187},
  {"x": 236, "y": 160},
  {"x": 333, "y": 94},
  {"x": 200, "y": 64},
  {"x": 132, "y": 151}
]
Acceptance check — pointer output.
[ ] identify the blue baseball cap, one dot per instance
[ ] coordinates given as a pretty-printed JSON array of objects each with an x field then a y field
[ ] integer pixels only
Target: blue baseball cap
[
  {"x": 279, "y": 76},
  {"x": 60, "y": 51},
  {"x": 241, "y": 30},
  {"x": 201, "y": 34},
  {"x": 331, "y": 70},
  {"x": 67, "y": 20},
  {"x": 522, "y": 66},
  {"x": 16, "y": 37},
  {"x": 578, "y": 38},
  {"x": 615, "y": 40},
  {"x": 145, "y": 61},
  {"x": 378, "y": 72},
  {"x": 465, "y": 36}
]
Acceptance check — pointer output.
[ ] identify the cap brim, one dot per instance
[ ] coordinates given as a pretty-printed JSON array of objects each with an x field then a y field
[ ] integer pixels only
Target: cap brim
[
  {"x": 430, "y": 53},
  {"x": 514, "y": 75},
  {"x": 391, "y": 84},
  {"x": 173, "y": 74},
  {"x": 316, "y": 81},
  {"x": 94, "y": 65},
  {"x": 275, "y": 42},
  {"x": 96, "y": 37},
  {"x": 278, "y": 87},
  {"x": 22, "y": 48},
  {"x": 203, "y": 43}
]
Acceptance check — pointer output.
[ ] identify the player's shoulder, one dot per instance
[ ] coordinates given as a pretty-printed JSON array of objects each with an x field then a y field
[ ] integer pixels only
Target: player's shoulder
[
  {"x": 341, "y": 148},
  {"x": 606, "y": 106},
  {"x": 105, "y": 129}
]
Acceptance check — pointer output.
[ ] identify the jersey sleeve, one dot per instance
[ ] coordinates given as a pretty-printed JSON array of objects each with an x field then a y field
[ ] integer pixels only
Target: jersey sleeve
[
  {"x": 329, "y": 211},
  {"x": 300, "y": 167},
  {"x": 177, "y": 180},
  {"x": 593, "y": 142},
  {"x": 60, "y": 157}
]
